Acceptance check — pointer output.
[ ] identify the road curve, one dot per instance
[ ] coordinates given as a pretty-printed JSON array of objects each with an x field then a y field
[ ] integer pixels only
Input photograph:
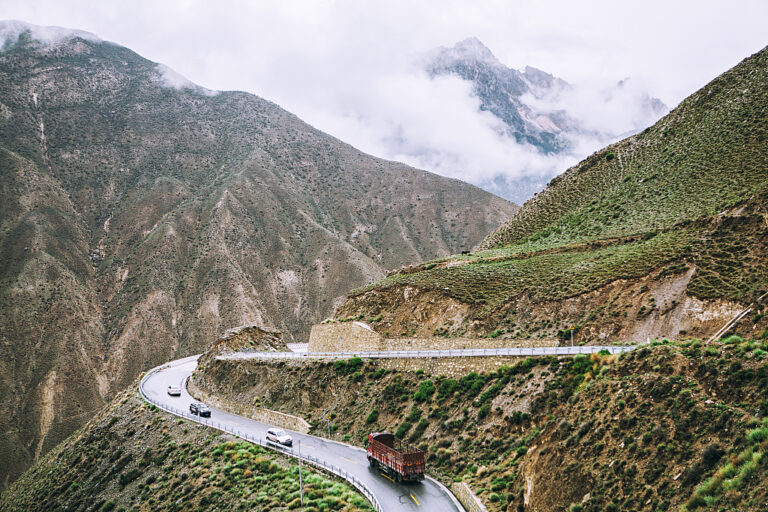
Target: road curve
[{"x": 349, "y": 462}]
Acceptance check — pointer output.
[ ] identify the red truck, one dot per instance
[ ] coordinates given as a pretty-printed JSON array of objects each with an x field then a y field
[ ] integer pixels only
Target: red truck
[{"x": 394, "y": 458}]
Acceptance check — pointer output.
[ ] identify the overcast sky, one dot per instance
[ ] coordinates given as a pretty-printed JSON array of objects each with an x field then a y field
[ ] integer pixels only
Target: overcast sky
[{"x": 351, "y": 68}]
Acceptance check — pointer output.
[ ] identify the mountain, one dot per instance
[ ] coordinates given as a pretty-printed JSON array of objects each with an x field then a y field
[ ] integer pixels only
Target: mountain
[
  {"x": 141, "y": 216},
  {"x": 543, "y": 122},
  {"x": 663, "y": 234},
  {"x": 536, "y": 107}
]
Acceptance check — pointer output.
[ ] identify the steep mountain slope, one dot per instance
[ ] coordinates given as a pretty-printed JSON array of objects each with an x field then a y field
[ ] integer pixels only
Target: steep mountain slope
[
  {"x": 663, "y": 233},
  {"x": 141, "y": 216},
  {"x": 132, "y": 456}
]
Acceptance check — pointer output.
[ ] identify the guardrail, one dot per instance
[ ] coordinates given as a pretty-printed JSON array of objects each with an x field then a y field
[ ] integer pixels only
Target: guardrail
[
  {"x": 360, "y": 486},
  {"x": 405, "y": 354}
]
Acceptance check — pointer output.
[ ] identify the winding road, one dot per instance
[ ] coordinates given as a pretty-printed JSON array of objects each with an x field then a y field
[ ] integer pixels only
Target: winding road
[
  {"x": 348, "y": 462},
  {"x": 425, "y": 496}
]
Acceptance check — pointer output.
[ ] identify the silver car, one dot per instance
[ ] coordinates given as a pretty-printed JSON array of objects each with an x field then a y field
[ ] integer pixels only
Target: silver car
[
  {"x": 174, "y": 390},
  {"x": 279, "y": 436}
]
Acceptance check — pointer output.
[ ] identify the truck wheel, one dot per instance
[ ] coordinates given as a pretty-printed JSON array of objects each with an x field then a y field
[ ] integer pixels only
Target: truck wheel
[{"x": 372, "y": 462}]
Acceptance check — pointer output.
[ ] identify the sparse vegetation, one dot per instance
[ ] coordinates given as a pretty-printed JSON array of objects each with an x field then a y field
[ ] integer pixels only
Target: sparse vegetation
[
  {"x": 122, "y": 465},
  {"x": 190, "y": 211}
]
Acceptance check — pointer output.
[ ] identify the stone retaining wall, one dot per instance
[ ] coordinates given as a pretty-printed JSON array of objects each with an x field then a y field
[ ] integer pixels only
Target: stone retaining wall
[
  {"x": 439, "y": 343},
  {"x": 358, "y": 336},
  {"x": 344, "y": 337},
  {"x": 268, "y": 416},
  {"x": 467, "y": 498},
  {"x": 452, "y": 367}
]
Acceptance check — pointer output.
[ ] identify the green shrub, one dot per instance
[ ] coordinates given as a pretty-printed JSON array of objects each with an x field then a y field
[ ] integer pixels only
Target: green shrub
[
  {"x": 471, "y": 384},
  {"x": 351, "y": 365},
  {"x": 414, "y": 415},
  {"x": 419, "y": 430},
  {"x": 373, "y": 416},
  {"x": 425, "y": 391},
  {"x": 757, "y": 435},
  {"x": 403, "y": 429},
  {"x": 746, "y": 471},
  {"x": 447, "y": 388}
]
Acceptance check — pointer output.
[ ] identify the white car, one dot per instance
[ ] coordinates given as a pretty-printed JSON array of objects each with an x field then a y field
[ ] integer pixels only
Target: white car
[
  {"x": 279, "y": 436},
  {"x": 174, "y": 390}
]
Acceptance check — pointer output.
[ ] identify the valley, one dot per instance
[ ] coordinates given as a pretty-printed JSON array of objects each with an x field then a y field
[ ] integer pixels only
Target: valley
[
  {"x": 141, "y": 218},
  {"x": 601, "y": 348}
]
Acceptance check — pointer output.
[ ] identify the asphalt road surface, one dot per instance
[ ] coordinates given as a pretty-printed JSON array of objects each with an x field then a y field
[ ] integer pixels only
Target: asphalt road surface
[{"x": 423, "y": 496}]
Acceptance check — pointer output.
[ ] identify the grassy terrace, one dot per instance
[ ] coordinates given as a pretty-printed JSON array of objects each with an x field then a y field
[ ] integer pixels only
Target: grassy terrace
[
  {"x": 492, "y": 281},
  {"x": 729, "y": 258}
]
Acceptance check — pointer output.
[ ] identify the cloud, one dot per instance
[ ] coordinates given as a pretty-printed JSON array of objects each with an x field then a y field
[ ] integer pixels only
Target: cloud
[
  {"x": 350, "y": 67},
  {"x": 10, "y": 30},
  {"x": 167, "y": 77}
]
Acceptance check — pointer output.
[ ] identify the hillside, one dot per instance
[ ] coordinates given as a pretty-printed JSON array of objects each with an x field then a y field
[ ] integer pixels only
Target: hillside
[
  {"x": 133, "y": 456},
  {"x": 668, "y": 425},
  {"x": 141, "y": 216},
  {"x": 662, "y": 234}
]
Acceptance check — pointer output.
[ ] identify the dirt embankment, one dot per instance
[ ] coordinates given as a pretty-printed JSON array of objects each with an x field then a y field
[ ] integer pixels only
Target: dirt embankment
[
  {"x": 655, "y": 306},
  {"x": 247, "y": 338}
]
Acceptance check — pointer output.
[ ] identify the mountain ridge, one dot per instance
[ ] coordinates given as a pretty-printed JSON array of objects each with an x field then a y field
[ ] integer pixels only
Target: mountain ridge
[{"x": 142, "y": 217}]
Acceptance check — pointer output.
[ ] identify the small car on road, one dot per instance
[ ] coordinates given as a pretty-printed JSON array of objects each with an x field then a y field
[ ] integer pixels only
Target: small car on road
[
  {"x": 279, "y": 436},
  {"x": 174, "y": 390},
  {"x": 200, "y": 409}
]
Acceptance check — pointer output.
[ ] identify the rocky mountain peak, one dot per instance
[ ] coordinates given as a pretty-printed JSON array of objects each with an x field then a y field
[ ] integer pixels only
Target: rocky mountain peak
[
  {"x": 536, "y": 107},
  {"x": 471, "y": 49}
]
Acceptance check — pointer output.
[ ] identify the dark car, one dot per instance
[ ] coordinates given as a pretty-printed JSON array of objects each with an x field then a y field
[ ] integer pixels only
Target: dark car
[{"x": 200, "y": 409}]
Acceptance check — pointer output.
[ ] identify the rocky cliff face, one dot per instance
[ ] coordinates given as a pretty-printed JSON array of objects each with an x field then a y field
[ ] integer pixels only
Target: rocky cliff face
[{"x": 141, "y": 216}]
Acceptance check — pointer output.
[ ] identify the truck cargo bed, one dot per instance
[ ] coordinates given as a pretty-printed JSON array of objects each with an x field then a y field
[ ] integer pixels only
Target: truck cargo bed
[{"x": 404, "y": 462}]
